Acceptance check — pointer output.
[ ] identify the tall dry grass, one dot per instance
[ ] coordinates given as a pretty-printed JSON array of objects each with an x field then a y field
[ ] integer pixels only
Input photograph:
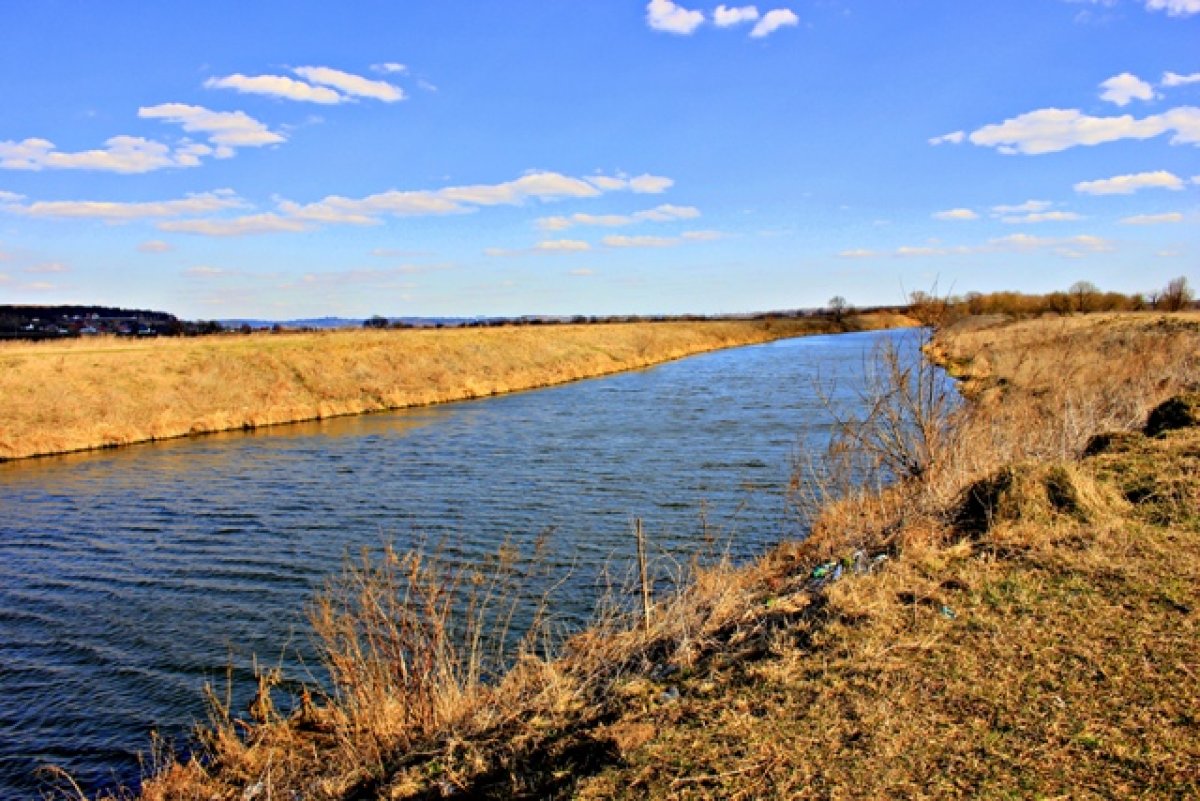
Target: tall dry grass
[
  {"x": 414, "y": 713},
  {"x": 57, "y": 397}
]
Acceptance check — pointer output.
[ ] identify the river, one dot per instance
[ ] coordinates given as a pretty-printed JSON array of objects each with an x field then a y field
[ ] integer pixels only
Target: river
[{"x": 130, "y": 577}]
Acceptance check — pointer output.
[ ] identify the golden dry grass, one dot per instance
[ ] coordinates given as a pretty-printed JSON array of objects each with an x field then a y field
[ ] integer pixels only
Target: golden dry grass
[
  {"x": 1017, "y": 619},
  {"x": 93, "y": 393}
]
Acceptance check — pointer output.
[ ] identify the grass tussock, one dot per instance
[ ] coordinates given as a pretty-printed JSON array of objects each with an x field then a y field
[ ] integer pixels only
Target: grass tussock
[
  {"x": 94, "y": 393},
  {"x": 1014, "y": 613}
]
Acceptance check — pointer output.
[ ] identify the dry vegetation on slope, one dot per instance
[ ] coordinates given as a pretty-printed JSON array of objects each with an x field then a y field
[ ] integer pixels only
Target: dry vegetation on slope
[
  {"x": 1015, "y": 617},
  {"x": 94, "y": 393}
]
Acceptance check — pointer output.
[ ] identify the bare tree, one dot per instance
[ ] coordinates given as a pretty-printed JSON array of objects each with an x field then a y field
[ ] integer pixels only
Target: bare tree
[
  {"x": 1177, "y": 295},
  {"x": 839, "y": 306},
  {"x": 1084, "y": 293}
]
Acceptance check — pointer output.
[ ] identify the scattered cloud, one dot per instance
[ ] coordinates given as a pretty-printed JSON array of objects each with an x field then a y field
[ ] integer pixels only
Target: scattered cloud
[
  {"x": 1128, "y": 184},
  {"x": 702, "y": 236},
  {"x": 1153, "y": 219},
  {"x": 562, "y": 246},
  {"x": 728, "y": 17},
  {"x": 204, "y": 271},
  {"x": 390, "y": 68},
  {"x": 1175, "y": 8},
  {"x": 618, "y": 241},
  {"x": 279, "y": 86},
  {"x": 123, "y": 212},
  {"x": 1068, "y": 247},
  {"x": 1050, "y": 130},
  {"x": 111, "y": 211},
  {"x": 1022, "y": 208},
  {"x": 48, "y": 268},
  {"x": 351, "y": 84},
  {"x": 1041, "y": 217},
  {"x": 155, "y": 246},
  {"x": 955, "y": 138},
  {"x": 121, "y": 154},
  {"x": 1170, "y": 79},
  {"x": 10, "y": 197},
  {"x": 290, "y": 216},
  {"x": 662, "y": 213},
  {"x": 663, "y": 15},
  {"x": 955, "y": 214},
  {"x": 582, "y": 272},
  {"x": 1125, "y": 88},
  {"x": 225, "y": 129},
  {"x": 773, "y": 21},
  {"x": 239, "y": 226}
]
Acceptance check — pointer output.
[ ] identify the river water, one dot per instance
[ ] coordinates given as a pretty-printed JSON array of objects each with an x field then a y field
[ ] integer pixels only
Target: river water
[{"x": 130, "y": 577}]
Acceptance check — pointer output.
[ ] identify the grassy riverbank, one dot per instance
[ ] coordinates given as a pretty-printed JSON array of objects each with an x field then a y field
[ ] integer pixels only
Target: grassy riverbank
[
  {"x": 94, "y": 393},
  {"x": 1015, "y": 617}
]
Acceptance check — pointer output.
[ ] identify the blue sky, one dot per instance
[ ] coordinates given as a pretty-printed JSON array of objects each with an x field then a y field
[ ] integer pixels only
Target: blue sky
[{"x": 437, "y": 157}]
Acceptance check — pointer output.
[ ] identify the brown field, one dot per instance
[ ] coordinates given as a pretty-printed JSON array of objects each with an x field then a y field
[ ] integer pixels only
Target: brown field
[
  {"x": 1017, "y": 616},
  {"x": 95, "y": 393}
]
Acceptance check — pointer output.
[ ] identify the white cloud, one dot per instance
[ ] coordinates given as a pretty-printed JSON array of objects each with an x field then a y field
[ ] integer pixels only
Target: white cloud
[
  {"x": 663, "y": 15},
  {"x": 1175, "y": 8},
  {"x": 291, "y": 216},
  {"x": 1050, "y": 130},
  {"x": 617, "y": 241},
  {"x": 1022, "y": 208},
  {"x": 954, "y": 138},
  {"x": 121, "y": 154},
  {"x": 1128, "y": 184},
  {"x": 276, "y": 86},
  {"x": 649, "y": 184},
  {"x": 955, "y": 214},
  {"x": 238, "y": 226},
  {"x": 48, "y": 268},
  {"x": 351, "y": 84},
  {"x": 727, "y": 17},
  {"x": 1153, "y": 219},
  {"x": 10, "y": 197},
  {"x": 155, "y": 246},
  {"x": 225, "y": 129},
  {"x": 1026, "y": 242},
  {"x": 773, "y": 21},
  {"x": 539, "y": 185},
  {"x": 390, "y": 68},
  {"x": 111, "y": 211},
  {"x": 582, "y": 272},
  {"x": 1175, "y": 79},
  {"x": 662, "y": 213},
  {"x": 205, "y": 271},
  {"x": 702, "y": 236},
  {"x": 1070, "y": 247},
  {"x": 1041, "y": 217},
  {"x": 562, "y": 246},
  {"x": 1124, "y": 88}
]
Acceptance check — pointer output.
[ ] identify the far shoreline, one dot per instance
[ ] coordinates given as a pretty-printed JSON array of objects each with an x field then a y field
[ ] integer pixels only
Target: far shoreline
[{"x": 126, "y": 393}]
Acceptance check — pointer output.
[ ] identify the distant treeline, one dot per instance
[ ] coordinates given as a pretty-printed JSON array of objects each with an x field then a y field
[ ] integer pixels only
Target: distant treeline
[
  {"x": 52, "y": 322},
  {"x": 378, "y": 321},
  {"x": 1082, "y": 297}
]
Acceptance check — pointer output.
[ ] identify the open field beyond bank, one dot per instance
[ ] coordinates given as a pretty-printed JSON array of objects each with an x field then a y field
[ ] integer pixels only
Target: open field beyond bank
[
  {"x": 1015, "y": 616},
  {"x": 93, "y": 393}
]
